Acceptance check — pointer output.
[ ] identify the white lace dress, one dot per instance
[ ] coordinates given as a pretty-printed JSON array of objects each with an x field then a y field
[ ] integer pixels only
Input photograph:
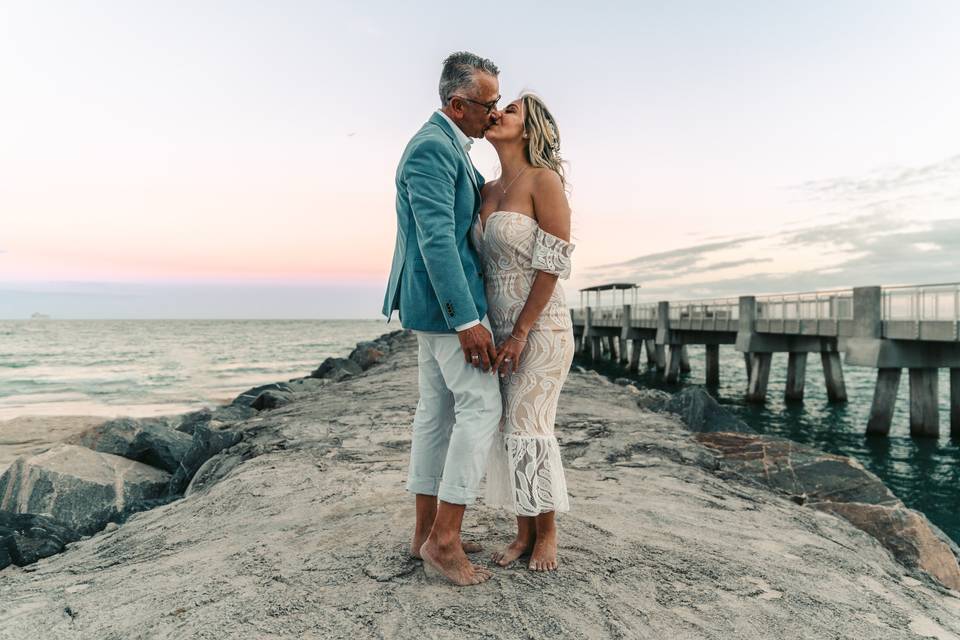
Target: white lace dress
[{"x": 525, "y": 473}]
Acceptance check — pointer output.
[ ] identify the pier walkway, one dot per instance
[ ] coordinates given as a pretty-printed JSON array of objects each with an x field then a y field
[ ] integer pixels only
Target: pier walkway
[{"x": 889, "y": 328}]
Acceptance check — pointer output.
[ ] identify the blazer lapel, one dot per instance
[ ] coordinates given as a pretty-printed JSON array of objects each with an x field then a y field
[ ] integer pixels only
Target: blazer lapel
[{"x": 441, "y": 122}]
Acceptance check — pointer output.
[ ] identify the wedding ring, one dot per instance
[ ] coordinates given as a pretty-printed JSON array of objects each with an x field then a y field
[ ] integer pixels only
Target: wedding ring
[
  {"x": 507, "y": 360},
  {"x": 474, "y": 357}
]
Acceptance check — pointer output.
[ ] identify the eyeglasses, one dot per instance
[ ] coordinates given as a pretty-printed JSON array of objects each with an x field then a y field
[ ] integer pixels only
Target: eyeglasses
[{"x": 489, "y": 106}]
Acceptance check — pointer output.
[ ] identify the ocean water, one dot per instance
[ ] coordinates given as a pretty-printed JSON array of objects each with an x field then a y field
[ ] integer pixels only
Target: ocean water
[
  {"x": 924, "y": 473},
  {"x": 155, "y": 367}
]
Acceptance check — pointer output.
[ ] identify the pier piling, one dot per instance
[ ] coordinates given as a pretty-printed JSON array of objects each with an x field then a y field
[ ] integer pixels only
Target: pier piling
[
  {"x": 759, "y": 376},
  {"x": 713, "y": 365},
  {"x": 884, "y": 401},
  {"x": 833, "y": 376},
  {"x": 796, "y": 376},
  {"x": 924, "y": 413}
]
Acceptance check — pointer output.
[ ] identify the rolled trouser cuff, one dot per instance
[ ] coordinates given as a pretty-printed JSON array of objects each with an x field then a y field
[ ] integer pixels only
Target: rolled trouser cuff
[
  {"x": 423, "y": 485},
  {"x": 456, "y": 495}
]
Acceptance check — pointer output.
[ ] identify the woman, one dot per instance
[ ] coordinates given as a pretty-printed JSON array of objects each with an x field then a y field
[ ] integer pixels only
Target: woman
[{"x": 523, "y": 236}]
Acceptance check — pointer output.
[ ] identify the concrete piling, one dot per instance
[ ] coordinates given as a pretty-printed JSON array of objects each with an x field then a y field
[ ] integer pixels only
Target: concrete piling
[
  {"x": 884, "y": 401},
  {"x": 833, "y": 376},
  {"x": 713, "y": 365},
  {"x": 796, "y": 376},
  {"x": 759, "y": 376},
  {"x": 924, "y": 412},
  {"x": 673, "y": 364}
]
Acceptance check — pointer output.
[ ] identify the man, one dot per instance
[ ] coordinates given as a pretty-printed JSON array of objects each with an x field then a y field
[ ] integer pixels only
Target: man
[{"x": 436, "y": 282}]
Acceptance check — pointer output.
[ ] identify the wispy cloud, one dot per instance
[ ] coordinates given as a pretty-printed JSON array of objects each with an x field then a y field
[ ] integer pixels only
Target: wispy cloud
[
  {"x": 881, "y": 238},
  {"x": 884, "y": 182}
]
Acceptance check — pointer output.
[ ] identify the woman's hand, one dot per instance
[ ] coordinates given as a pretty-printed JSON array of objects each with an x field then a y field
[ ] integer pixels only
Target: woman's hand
[{"x": 508, "y": 355}]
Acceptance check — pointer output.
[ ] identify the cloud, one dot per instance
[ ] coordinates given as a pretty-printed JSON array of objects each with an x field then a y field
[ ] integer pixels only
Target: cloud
[
  {"x": 883, "y": 182},
  {"x": 879, "y": 249}
]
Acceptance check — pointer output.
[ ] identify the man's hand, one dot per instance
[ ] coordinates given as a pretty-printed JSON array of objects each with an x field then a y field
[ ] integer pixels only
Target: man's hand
[{"x": 477, "y": 345}]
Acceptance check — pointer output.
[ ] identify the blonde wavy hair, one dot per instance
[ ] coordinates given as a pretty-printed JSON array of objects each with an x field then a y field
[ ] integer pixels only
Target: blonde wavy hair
[{"x": 540, "y": 128}]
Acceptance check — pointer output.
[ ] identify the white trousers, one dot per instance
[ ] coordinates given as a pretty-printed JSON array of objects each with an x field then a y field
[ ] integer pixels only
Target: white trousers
[{"x": 457, "y": 417}]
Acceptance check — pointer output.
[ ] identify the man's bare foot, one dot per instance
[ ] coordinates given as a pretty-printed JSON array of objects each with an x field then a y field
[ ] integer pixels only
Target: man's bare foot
[
  {"x": 468, "y": 547},
  {"x": 544, "y": 555},
  {"x": 506, "y": 556},
  {"x": 453, "y": 564}
]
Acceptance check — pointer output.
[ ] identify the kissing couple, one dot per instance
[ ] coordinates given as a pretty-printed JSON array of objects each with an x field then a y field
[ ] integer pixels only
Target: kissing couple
[{"x": 474, "y": 275}]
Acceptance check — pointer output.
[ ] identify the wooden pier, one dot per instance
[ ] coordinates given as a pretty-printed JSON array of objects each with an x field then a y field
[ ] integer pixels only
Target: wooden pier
[{"x": 887, "y": 328}]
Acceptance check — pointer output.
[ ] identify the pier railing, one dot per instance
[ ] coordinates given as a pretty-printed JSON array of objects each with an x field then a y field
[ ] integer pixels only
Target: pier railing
[
  {"x": 705, "y": 315},
  {"x": 922, "y": 312}
]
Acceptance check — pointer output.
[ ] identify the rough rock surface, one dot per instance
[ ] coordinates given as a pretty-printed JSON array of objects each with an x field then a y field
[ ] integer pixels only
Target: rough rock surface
[
  {"x": 150, "y": 441},
  {"x": 700, "y": 412},
  {"x": 229, "y": 413},
  {"x": 81, "y": 488},
  {"x": 250, "y": 396},
  {"x": 209, "y": 439},
  {"x": 308, "y": 537},
  {"x": 367, "y": 354},
  {"x": 337, "y": 369},
  {"x": 27, "y": 537}
]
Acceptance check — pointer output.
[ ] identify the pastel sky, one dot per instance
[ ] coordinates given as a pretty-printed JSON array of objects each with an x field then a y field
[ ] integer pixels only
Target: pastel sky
[{"x": 236, "y": 159}]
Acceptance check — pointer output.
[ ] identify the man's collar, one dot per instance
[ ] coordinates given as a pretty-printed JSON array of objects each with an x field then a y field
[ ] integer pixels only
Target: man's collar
[{"x": 465, "y": 141}]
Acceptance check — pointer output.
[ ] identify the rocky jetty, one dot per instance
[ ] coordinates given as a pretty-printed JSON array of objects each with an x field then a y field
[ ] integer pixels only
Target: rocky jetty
[{"x": 301, "y": 529}]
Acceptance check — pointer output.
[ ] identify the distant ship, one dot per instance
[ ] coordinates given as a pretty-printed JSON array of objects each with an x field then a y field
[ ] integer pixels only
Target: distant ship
[{"x": 39, "y": 316}]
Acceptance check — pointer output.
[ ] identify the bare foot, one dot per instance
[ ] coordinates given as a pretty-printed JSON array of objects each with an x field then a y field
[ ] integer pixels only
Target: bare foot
[
  {"x": 512, "y": 551},
  {"x": 453, "y": 564},
  {"x": 544, "y": 555},
  {"x": 468, "y": 547}
]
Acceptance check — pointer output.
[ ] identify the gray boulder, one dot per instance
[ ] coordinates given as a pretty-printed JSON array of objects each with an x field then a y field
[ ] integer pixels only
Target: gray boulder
[
  {"x": 271, "y": 400},
  {"x": 307, "y": 385},
  {"x": 652, "y": 399},
  {"x": 27, "y": 537},
  {"x": 701, "y": 413},
  {"x": 367, "y": 354},
  {"x": 209, "y": 439},
  {"x": 336, "y": 369},
  {"x": 226, "y": 414},
  {"x": 151, "y": 442},
  {"x": 81, "y": 488},
  {"x": 247, "y": 398},
  {"x": 841, "y": 486}
]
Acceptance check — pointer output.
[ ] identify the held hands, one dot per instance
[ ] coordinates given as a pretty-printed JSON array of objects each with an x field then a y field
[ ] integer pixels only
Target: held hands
[
  {"x": 477, "y": 345},
  {"x": 508, "y": 354}
]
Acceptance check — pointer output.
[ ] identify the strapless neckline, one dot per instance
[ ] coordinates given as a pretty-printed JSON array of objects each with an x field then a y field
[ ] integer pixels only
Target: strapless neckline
[{"x": 483, "y": 225}]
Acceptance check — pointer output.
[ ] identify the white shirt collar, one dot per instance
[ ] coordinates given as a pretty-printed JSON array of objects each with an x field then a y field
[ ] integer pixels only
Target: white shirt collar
[{"x": 465, "y": 141}]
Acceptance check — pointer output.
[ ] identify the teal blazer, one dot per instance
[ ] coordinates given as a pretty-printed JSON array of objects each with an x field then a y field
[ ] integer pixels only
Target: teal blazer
[{"x": 436, "y": 280}]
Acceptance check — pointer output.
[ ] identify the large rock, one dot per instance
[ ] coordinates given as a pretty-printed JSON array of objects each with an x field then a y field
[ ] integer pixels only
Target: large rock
[
  {"x": 225, "y": 414},
  {"x": 148, "y": 441},
  {"x": 271, "y": 399},
  {"x": 27, "y": 537},
  {"x": 337, "y": 369},
  {"x": 906, "y": 533},
  {"x": 843, "y": 487},
  {"x": 247, "y": 398},
  {"x": 209, "y": 439},
  {"x": 652, "y": 399},
  {"x": 367, "y": 354},
  {"x": 308, "y": 384},
  {"x": 81, "y": 488},
  {"x": 701, "y": 413},
  {"x": 807, "y": 474}
]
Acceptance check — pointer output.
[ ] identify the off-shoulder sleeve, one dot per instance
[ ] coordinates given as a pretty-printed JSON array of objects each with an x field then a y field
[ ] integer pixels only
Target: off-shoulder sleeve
[{"x": 551, "y": 254}]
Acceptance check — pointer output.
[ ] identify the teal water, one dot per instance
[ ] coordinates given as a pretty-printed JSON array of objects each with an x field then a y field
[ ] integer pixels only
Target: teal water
[{"x": 924, "y": 473}]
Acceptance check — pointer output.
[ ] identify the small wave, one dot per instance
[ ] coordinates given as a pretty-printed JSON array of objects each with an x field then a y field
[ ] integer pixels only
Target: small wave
[{"x": 16, "y": 365}]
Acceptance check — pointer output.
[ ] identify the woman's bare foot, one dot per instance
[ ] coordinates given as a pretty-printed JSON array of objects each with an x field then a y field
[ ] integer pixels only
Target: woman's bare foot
[
  {"x": 451, "y": 562},
  {"x": 544, "y": 555},
  {"x": 520, "y": 546}
]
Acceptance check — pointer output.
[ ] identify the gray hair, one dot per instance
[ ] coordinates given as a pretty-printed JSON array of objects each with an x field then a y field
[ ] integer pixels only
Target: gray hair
[{"x": 459, "y": 72}]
